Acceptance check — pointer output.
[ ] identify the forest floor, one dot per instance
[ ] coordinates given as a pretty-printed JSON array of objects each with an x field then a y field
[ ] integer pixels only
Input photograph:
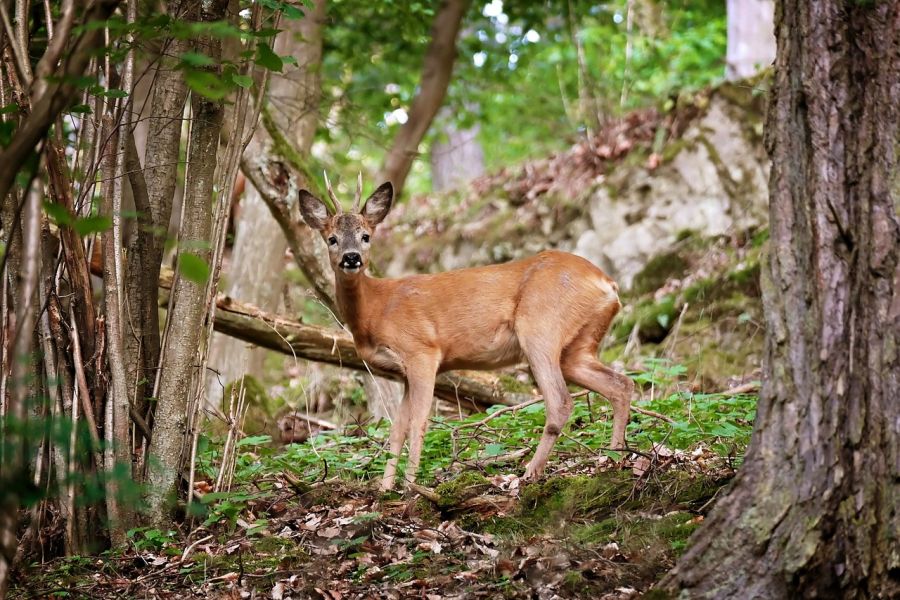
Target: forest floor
[{"x": 306, "y": 520}]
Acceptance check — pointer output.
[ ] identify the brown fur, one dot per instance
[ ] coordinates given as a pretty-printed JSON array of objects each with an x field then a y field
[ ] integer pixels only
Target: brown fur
[{"x": 550, "y": 310}]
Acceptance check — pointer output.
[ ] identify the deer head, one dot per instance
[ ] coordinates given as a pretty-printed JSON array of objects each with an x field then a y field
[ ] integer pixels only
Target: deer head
[{"x": 347, "y": 235}]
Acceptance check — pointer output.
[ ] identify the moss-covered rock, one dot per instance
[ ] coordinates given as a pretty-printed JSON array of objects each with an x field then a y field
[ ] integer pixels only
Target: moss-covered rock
[{"x": 659, "y": 270}]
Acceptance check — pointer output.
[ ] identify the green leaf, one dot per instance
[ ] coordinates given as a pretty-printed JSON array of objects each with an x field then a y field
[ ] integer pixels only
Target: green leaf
[
  {"x": 493, "y": 449},
  {"x": 58, "y": 213},
  {"x": 267, "y": 59},
  {"x": 207, "y": 84},
  {"x": 245, "y": 81},
  {"x": 196, "y": 59},
  {"x": 255, "y": 440},
  {"x": 115, "y": 94},
  {"x": 93, "y": 224},
  {"x": 81, "y": 109},
  {"x": 193, "y": 267}
]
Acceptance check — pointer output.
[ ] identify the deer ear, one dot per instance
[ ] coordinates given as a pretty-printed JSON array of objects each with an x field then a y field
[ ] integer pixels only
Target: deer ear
[
  {"x": 313, "y": 210},
  {"x": 379, "y": 204}
]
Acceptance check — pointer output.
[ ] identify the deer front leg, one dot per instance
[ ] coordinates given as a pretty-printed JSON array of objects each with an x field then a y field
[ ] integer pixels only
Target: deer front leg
[
  {"x": 421, "y": 397},
  {"x": 399, "y": 429}
]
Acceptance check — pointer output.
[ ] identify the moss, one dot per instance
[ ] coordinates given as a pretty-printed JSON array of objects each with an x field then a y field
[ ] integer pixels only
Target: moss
[
  {"x": 685, "y": 234},
  {"x": 283, "y": 148},
  {"x": 760, "y": 238},
  {"x": 674, "y": 147},
  {"x": 653, "y": 319},
  {"x": 511, "y": 384},
  {"x": 591, "y": 509},
  {"x": 658, "y": 270},
  {"x": 455, "y": 491}
]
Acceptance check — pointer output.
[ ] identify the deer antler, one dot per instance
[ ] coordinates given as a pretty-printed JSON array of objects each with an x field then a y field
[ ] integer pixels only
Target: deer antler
[
  {"x": 337, "y": 203},
  {"x": 358, "y": 197}
]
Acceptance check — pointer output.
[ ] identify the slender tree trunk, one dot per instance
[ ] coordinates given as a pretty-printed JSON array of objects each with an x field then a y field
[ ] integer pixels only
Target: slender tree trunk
[
  {"x": 436, "y": 71},
  {"x": 814, "y": 511},
  {"x": 188, "y": 296},
  {"x": 751, "y": 37},
  {"x": 15, "y": 466},
  {"x": 256, "y": 272},
  {"x": 160, "y": 175},
  {"x": 116, "y": 429},
  {"x": 56, "y": 97}
]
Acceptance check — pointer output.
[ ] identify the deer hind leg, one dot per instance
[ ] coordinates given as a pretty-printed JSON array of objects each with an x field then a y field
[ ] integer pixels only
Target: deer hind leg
[
  {"x": 399, "y": 429},
  {"x": 558, "y": 407},
  {"x": 582, "y": 368}
]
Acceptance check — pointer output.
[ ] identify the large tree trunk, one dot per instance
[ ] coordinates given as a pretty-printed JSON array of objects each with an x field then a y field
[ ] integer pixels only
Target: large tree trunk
[
  {"x": 456, "y": 159},
  {"x": 751, "y": 37},
  {"x": 188, "y": 296},
  {"x": 436, "y": 71},
  {"x": 814, "y": 511},
  {"x": 256, "y": 272}
]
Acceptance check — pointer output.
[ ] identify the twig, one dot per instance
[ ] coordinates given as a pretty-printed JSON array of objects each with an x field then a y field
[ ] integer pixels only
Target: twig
[
  {"x": 425, "y": 492},
  {"x": 744, "y": 388},
  {"x": 189, "y": 549},
  {"x": 314, "y": 420},
  {"x": 654, "y": 414},
  {"x": 514, "y": 408}
]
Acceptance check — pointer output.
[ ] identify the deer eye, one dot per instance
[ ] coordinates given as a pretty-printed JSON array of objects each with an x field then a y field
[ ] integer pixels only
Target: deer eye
[
  {"x": 365, "y": 238},
  {"x": 332, "y": 240}
]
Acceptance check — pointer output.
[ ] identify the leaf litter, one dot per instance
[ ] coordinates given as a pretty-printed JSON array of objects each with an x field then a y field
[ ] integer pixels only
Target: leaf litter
[{"x": 503, "y": 538}]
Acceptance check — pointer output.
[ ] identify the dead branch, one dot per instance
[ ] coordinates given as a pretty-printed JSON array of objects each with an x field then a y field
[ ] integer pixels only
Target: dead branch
[{"x": 651, "y": 413}]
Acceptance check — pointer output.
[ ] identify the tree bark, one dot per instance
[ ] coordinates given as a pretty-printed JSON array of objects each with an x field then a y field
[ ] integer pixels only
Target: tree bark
[
  {"x": 160, "y": 175},
  {"x": 56, "y": 97},
  {"x": 15, "y": 468},
  {"x": 436, "y": 72},
  {"x": 814, "y": 511},
  {"x": 751, "y": 37},
  {"x": 276, "y": 180},
  {"x": 188, "y": 297},
  {"x": 256, "y": 271},
  {"x": 457, "y": 159}
]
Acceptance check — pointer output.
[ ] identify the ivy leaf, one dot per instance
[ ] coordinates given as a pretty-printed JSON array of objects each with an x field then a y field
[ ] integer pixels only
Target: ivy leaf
[
  {"x": 267, "y": 59},
  {"x": 193, "y": 267}
]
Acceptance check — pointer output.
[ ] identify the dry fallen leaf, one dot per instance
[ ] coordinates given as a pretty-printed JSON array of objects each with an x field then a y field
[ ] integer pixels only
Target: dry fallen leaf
[
  {"x": 329, "y": 532},
  {"x": 641, "y": 465}
]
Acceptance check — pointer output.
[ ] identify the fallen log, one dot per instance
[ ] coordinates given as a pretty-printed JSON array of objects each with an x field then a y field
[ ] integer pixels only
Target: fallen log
[
  {"x": 335, "y": 347},
  {"x": 471, "y": 389}
]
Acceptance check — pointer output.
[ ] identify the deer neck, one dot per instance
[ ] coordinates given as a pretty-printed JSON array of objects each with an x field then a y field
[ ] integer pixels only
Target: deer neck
[{"x": 354, "y": 299}]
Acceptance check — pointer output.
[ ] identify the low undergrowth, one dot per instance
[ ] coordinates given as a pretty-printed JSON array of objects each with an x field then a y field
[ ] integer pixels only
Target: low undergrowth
[{"x": 305, "y": 520}]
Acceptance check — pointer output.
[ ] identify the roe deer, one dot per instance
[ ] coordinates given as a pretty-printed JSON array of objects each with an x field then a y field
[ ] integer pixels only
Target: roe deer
[{"x": 550, "y": 310}]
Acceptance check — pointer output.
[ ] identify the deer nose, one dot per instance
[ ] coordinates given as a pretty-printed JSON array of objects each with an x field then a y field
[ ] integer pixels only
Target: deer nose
[{"x": 351, "y": 260}]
